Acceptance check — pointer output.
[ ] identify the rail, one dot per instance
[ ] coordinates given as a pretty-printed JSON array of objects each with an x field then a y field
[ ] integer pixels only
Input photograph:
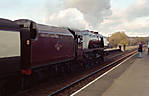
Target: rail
[{"x": 91, "y": 74}]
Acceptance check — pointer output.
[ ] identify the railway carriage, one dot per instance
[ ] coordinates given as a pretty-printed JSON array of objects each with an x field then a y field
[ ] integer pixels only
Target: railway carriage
[{"x": 10, "y": 53}]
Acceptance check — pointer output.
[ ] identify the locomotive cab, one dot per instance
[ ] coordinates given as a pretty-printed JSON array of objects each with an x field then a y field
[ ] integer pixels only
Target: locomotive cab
[{"x": 92, "y": 45}]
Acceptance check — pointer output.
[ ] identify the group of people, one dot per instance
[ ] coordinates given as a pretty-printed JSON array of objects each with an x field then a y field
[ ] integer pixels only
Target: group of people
[{"x": 140, "y": 49}]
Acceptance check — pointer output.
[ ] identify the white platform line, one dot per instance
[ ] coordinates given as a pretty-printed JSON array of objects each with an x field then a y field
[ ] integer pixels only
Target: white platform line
[{"x": 100, "y": 76}]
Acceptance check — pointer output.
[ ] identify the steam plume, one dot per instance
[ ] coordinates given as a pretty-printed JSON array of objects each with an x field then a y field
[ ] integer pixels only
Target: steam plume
[{"x": 81, "y": 13}]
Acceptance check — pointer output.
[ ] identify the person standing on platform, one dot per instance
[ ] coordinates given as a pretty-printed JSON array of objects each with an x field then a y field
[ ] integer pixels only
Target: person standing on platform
[
  {"x": 148, "y": 47},
  {"x": 140, "y": 50},
  {"x": 120, "y": 47}
]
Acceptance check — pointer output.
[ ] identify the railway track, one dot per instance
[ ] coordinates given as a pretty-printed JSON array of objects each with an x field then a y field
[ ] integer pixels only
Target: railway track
[{"x": 71, "y": 86}]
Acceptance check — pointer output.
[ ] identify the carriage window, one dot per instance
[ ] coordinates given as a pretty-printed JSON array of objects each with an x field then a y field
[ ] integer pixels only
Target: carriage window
[{"x": 9, "y": 43}]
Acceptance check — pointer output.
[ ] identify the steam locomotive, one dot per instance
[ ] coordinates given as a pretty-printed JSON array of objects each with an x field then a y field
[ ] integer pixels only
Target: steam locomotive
[{"x": 26, "y": 47}]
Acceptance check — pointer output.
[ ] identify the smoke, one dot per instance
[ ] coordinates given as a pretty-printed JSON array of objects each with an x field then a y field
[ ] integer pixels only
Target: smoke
[
  {"x": 93, "y": 10},
  {"x": 70, "y": 17},
  {"x": 81, "y": 13}
]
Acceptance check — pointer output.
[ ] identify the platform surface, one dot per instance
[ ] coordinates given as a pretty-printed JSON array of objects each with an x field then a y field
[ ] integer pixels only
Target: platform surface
[{"x": 129, "y": 79}]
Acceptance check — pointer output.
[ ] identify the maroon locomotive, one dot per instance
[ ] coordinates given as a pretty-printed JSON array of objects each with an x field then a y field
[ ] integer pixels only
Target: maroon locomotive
[
  {"x": 44, "y": 45},
  {"x": 27, "y": 47}
]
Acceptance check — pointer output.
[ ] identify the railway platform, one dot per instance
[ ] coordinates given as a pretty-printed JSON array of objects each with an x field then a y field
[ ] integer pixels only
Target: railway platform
[{"x": 130, "y": 78}]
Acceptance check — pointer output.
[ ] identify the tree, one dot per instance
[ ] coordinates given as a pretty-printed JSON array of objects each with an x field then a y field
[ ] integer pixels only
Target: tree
[
  {"x": 118, "y": 38},
  {"x": 141, "y": 39}
]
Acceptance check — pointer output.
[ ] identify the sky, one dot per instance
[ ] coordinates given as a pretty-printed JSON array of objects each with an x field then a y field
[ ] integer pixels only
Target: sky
[
  {"x": 122, "y": 4},
  {"x": 104, "y": 16}
]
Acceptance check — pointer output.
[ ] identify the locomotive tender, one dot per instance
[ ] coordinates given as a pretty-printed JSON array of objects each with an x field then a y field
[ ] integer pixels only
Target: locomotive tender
[{"x": 26, "y": 46}]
